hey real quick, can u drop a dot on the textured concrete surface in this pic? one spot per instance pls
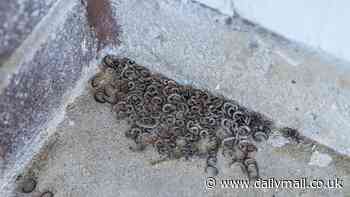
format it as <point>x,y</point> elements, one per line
<point>89,156</point>
<point>39,85</point>
<point>17,20</point>
<point>316,23</point>
<point>42,71</point>
<point>293,86</point>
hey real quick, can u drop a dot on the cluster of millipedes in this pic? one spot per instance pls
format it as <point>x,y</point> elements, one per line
<point>179,120</point>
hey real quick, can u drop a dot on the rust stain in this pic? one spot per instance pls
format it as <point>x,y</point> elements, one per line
<point>2,159</point>
<point>2,151</point>
<point>101,21</point>
<point>343,82</point>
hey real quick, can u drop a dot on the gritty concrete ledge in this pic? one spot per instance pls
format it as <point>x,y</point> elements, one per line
<point>315,23</point>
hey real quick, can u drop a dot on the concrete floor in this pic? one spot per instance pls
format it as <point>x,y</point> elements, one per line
<point>89,156</point>
<point>79,147</point>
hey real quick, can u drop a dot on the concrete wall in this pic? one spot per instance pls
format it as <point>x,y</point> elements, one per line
<point>321,24</point>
